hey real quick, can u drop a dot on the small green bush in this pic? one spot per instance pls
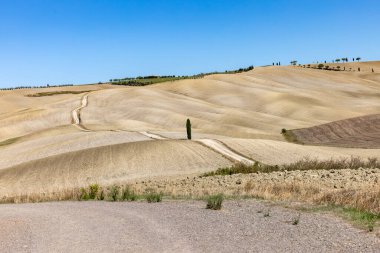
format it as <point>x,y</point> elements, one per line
<point>151,196</point>
<point>83,194</point>
<point>101,195</point>
<point>128,194</point>
<point>114,193</point>
<point>93,191</point>
<point>214,202</point>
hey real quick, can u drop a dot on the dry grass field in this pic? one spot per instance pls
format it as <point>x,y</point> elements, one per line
<point>43,149</point>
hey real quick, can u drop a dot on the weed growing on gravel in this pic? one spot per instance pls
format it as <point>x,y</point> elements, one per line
<point>214,202</point>
<point>296,220</point>
<point>128,194</point>
<point>114,193</point>
<point>267,213</point>
<point>93,191</point>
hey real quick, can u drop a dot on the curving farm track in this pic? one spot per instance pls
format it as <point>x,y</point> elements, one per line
<point>75,114</point>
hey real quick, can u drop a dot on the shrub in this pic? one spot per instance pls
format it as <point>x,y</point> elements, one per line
<point>101,195</point>
<point>93,191</point>
<point>152,196</point>
<point>83,194</point>
<point>114,193</point>
<point>214,202</point>
<point>320,66</point>
<point>283,131</point>
<point>128,194</point>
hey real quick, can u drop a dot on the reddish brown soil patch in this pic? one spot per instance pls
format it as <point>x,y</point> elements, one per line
<point>359,132</point>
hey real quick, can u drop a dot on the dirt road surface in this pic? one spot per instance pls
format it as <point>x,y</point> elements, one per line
<point>75,114</point>
<point>174,226</point>
<point>220,148</point>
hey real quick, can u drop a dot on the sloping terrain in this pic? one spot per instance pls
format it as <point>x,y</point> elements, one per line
<point>106,164</point>
<point>41,149</point>
<point>254,104</point>
<point>359,132</point>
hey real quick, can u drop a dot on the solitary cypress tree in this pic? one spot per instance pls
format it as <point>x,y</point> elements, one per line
<point>188,129</point>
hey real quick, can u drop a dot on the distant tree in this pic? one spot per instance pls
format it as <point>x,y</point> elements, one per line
<point>353,59</point>
<point>327,67</point>
<point>325,62</point>
<point>320,66</point>
<point>293,63</point>
<point>188,129</point>
<point>279,63</point>
<point>358,59</point>
<point>337,60</point>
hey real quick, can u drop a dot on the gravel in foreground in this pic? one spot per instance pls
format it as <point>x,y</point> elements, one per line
<point>174,226</point>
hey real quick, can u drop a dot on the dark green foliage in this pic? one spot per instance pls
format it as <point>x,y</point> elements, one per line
<point>147,80</point>
<point>320,66</point>
<point>283,130</point>
<point>188,129</point>
<point>214,202</point>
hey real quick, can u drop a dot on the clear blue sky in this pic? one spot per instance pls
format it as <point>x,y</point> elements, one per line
<point>83,41</point>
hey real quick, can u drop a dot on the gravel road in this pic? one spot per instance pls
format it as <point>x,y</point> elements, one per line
<point>174,226</point>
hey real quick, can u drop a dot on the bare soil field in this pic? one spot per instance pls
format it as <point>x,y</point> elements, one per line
<point>359,132</point>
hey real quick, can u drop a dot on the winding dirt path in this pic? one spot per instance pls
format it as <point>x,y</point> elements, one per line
<point>75,114</point>
<point>211,144</point>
